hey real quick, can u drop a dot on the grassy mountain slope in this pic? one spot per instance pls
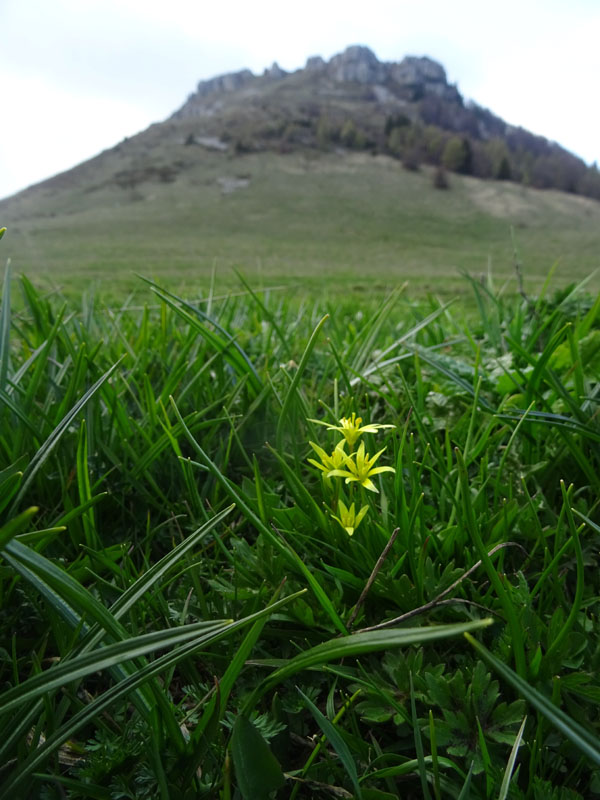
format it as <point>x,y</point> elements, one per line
<point>304,217</point>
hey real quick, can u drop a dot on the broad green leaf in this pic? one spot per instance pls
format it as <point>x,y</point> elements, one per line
<point>257,771</point>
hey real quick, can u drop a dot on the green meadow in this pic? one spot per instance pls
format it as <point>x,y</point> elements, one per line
<point>318,543</point>
<point>335,223</point>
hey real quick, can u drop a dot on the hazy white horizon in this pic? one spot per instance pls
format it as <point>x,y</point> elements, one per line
<point>76,78</point>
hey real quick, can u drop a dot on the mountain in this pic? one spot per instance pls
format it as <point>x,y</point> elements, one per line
<point>329,170</point>
<point>406,109</point>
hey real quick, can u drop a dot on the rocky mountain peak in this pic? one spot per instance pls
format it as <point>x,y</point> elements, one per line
<point>415,70</point>
<point>392,85</point>
<point>275,71</point>
<point>314,64</point>
<point>357,64</point>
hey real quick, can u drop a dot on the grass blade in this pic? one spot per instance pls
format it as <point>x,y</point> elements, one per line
<point>44,451</point>
<point>103,658</point>
<point>336,741</point>
<point>358,644</point>
<point>291,392</point>
<point>511,762</point>
<point>122,689</point>
<point>5,328</point>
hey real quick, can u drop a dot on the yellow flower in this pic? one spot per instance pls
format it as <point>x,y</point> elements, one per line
<point>348,519</point>
<point>351,427</point>
<point>336,460</point>
<point>359,467</point>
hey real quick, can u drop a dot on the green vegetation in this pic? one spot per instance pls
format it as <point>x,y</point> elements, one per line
<point>194,605</point>
<point>457,155</point>
<point>319,222</point>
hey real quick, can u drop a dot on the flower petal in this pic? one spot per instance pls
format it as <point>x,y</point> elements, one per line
<point>317,465</point>
<point>341,473</point>
<point>375,457</point>
<point>319,451</point>
<point>360,457</point>
<point>360,516</point>
<point>379,425</point>
<point>368,484</point>
<point>320,422</point>
<point>377,470</point>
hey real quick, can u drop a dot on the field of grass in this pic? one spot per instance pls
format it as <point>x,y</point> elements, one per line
<point>325,222</point>
<point>209,589</point>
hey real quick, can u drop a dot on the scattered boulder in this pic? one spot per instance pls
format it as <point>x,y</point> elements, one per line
<point>212,143</point>
<point>230,184</point>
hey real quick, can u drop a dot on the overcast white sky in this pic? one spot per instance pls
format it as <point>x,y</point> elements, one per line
<point>76,76</point>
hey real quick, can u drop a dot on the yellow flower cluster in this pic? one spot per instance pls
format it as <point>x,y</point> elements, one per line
<point>351,427</point>
<point>355,466</point>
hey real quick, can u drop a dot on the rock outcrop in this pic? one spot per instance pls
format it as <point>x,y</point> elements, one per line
<point>225,83</point>
<point>314,64</point>
<point>408,80</point>
<point>356,64</point>
<point>275,72</point>
<point>413,70</point>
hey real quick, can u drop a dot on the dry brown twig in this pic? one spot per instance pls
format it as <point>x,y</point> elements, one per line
<point>437,600</point>
<point>372,577</point>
